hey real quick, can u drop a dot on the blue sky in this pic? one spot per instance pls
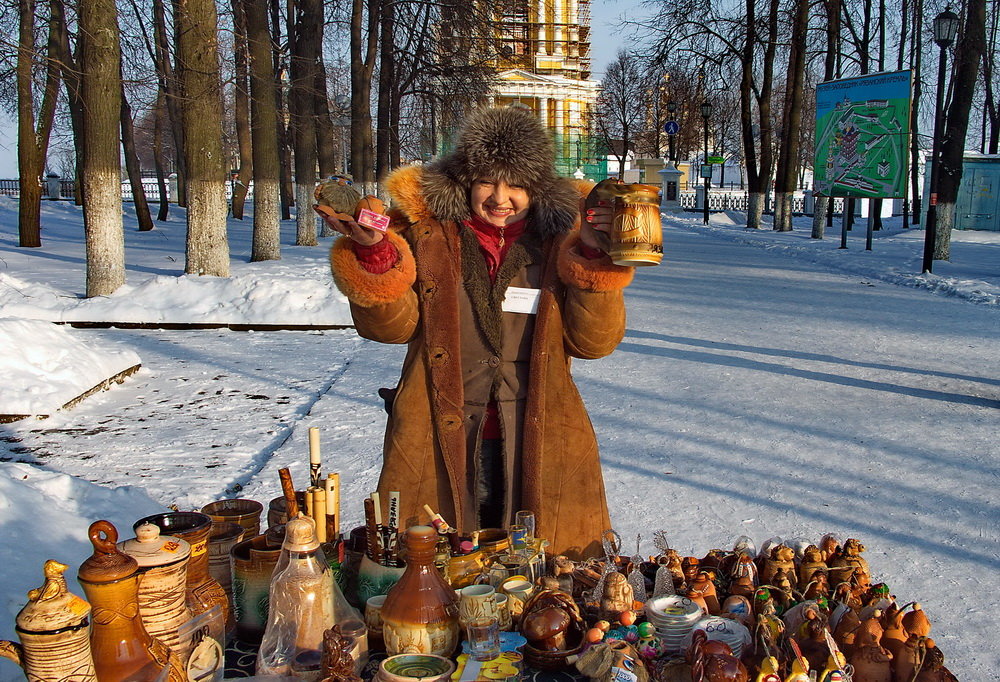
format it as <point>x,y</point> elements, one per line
<point>606,38</point>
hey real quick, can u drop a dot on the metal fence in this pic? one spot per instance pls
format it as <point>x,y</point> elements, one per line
<point>67,189</point>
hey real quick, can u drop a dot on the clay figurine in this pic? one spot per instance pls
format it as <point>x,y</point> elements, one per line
<point>871,662</point>
<point>702,592</point>
<point>616,598</point>
<point>915,622</point>
<point>781,557</point>
<point>848,564</point>
<point>812,561</point>
<point>337,663</point>
<point>713,661</point>
<point>934,669</point>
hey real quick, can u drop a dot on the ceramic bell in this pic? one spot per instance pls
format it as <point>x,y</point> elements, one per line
<point>54,633</point>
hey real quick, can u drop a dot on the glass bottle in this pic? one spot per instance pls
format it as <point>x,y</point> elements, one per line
<point>300,606</point>
<point>420,614</point>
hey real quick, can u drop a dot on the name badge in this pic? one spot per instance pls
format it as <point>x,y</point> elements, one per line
<point>521,300</point>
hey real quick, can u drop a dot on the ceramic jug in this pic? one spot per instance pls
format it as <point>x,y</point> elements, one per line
<point>122,649</point>
<point>420,614</point>
<point>54,633</point>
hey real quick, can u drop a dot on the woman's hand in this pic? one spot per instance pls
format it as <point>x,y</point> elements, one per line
<point>358,233</point>
<point>596,225</point>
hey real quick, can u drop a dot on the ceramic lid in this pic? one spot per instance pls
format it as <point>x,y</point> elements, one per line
<point>300,535</point>
<point>106,564</point>
<point>149,548</point>
<point>52,606</point>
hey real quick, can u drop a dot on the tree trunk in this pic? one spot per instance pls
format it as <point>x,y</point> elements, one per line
<point>917,49</point>
<point>284,146</point>
<point>326,133</point>
<point>824,205</point>
<point>263,120</point>
<point>71,75</point>
<point>29,161</point>
<point>161,176</point>
<point>165,72</point>
<point>201,87</point>
<point>101,173</point>
<point>241,106</point>
<point>791,120</point>
<point>968,54</point>
<point>362,65</point>
<point>132,167</point>
<point>306,54</point>
<point>386,77</point>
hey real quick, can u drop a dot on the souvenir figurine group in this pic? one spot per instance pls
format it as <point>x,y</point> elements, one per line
<point>314,608</point>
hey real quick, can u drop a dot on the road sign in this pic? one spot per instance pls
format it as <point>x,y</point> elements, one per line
<point>716,159</point>
<point>706,171</point>
<point>672,127</point>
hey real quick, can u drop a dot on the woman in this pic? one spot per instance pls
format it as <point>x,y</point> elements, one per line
<point>491,279</point>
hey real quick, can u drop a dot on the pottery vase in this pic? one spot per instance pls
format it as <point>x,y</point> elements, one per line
<point>203,591</point>
<point>223,538</point>
<point>420,614</point>
<point>163,564</point>
<point>121,647</point>
<point>375,579</point>
<point>253,562</point>
<point>54,633</point>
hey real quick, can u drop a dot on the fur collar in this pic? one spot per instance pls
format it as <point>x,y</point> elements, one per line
<point>431,191</point>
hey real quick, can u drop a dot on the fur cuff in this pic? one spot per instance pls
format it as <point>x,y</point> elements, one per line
<point>367,289</point>
<point>599,274</point>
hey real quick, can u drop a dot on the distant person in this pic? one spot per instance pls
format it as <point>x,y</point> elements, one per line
<point>486,277</point>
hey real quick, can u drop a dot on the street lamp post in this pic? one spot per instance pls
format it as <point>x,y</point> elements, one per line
<point>671,108</point>
<point>706,113</point>
<point>945,30</point>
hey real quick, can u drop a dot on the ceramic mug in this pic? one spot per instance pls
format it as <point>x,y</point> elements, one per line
<point>503,611</point>
<point>373,620</point>
<point>519,591</point>
<point>476,602</point>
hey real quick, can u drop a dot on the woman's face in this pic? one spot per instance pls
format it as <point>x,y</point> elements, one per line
<point>498,203</point>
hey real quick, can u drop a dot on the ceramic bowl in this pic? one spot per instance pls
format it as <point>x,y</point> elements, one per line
<point>551,661</point>
<point>415,668</point>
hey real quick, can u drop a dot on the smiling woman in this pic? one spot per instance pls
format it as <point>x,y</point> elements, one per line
<point>490,278</point>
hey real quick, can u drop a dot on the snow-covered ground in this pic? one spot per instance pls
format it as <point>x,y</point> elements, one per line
<point>769,385</point>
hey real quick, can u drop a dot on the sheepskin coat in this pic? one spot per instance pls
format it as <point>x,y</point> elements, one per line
<point>439,302</point>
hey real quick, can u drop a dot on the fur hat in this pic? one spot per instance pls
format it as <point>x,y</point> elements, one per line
<point>509,144</point>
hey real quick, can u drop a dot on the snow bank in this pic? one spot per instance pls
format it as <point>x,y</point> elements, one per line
<point>45,515</point>
<point>46,366</point>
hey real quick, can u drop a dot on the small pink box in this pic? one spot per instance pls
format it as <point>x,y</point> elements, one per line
<point>375,221</point>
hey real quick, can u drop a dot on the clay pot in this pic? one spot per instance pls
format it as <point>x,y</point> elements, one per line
<point>253,562</point>
<point>203,591</point>
<point>244,512</point>
<point>121,647</point>
<point>163,564</point>
<point>54,633</point>
<point>277,509</point>
<point>375,579</point>
<point>223,538</point>
<point>420,614</point>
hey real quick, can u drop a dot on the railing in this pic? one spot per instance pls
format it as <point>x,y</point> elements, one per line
<point>732,201</point>
<point>67,189</point>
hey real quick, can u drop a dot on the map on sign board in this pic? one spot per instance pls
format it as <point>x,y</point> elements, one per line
<point>862,135</point>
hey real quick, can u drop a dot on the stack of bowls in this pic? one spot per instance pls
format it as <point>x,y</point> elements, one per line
<point>674,617</point>
<point>732,632</point>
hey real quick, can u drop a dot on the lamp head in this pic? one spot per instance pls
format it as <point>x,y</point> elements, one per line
<point>946,27</point>
<point>706,109</point>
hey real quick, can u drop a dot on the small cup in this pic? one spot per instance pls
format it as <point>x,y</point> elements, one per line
<point>483,636</point>
<point>476,602</point>
<point>519,590</point>
<point>518,538</point>
<point>503,611</point>
<point>242,511</point>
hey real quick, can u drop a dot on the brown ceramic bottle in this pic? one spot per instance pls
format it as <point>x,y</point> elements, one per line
<point>420,614</point>
<point>122,649</point>
<point>203,590</point>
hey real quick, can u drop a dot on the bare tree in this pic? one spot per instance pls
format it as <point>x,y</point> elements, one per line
<point>196,24</point>
<point>968,54</point>
<point>618,114</point>
<point>364,46</point>
<point>101,176</point>
<point>791,120</point>
<point>263,121</point>
<point>241,109</point>
<point>306,52</point>
<point>32,133</point>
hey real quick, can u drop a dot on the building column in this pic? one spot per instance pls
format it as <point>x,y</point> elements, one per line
<point>543,110</point>
<point>541,28</point>
<point>558,34</point>
<point>573,14</point>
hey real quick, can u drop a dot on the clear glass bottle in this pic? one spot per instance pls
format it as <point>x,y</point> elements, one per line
<point>300,606</point>
<point>420,614</point>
